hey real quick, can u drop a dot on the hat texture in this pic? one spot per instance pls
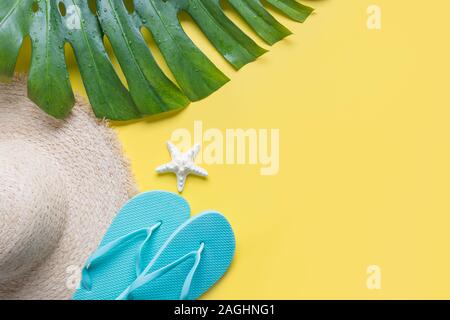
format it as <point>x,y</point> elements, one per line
<point>61,184</point>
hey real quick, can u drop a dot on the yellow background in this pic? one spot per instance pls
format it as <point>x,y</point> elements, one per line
<point>364,119</point>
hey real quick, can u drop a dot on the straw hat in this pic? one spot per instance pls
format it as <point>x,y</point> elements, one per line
<point>61,184</point>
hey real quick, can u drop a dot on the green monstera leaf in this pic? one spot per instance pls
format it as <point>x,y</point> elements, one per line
<point>83,24</point>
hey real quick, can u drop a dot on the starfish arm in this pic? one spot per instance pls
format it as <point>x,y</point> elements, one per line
<point>181,180</point>
<point>193,152</point>
<point>173,150</point>
<point>168,167</point>
<point>199,171</point>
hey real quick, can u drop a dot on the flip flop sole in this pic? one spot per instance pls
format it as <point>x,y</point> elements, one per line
<point>210,228</point>
<point>116,270</point>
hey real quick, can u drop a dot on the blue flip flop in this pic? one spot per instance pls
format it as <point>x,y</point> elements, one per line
<point>137,233</point>
<point>192,260</point>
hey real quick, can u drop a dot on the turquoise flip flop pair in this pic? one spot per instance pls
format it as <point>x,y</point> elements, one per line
<point>153,250</point>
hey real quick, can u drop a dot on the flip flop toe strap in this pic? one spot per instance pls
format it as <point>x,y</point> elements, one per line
<point>145,278</point>
<point>86,281</point>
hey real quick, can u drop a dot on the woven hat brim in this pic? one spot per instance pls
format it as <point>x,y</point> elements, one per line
<point>98,179</point>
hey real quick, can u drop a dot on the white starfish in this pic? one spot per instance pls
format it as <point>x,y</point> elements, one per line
<point>182,164</point>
